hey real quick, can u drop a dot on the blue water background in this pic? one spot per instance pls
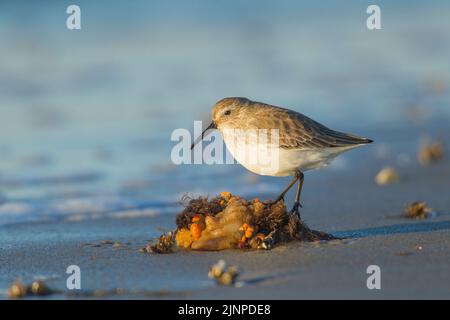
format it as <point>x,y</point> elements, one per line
<point>86,116</point>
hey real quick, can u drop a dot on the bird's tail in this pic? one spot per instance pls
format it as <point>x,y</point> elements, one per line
<point>346,139</point>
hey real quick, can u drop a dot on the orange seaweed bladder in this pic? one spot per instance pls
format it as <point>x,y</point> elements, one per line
<point>223,231</point>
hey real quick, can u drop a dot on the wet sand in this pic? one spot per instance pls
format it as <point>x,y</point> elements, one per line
<point>347,205</point>
<point>87,135</point>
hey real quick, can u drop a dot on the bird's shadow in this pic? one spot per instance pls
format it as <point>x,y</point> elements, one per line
<point>394,229</point>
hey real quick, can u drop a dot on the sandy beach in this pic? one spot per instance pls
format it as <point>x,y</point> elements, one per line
<point>369,222</point>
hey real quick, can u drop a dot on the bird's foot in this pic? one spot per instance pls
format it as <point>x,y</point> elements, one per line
<point>296,209</point>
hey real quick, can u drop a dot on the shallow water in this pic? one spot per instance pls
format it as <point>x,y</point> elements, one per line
<point>86,116</point>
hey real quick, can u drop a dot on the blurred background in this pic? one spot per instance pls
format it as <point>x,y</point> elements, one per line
<point>86,115</point>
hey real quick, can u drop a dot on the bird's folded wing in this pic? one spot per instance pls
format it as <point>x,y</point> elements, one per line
<point>296,131</point>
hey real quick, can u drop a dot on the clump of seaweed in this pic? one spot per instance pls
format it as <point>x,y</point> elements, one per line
<point>228,221</point>
<point>201,206</point>
<point>18,290</point>
<point>231,222</point>
<point>417,210</point>
<point>222,275</point>
<point>164,244</point>
<point>284,227</point>
<point>431,152</point>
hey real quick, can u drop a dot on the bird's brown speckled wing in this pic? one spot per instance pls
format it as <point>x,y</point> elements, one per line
<point>296,131</point>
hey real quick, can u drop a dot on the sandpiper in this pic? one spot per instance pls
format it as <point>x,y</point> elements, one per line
<point>303,144</point>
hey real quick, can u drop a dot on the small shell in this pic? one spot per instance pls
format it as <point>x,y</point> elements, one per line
<point>222,275</point>
<point>17,290</point>
<point>386,176</point>
<point>39,288</point>
<point>217,269</point>
<point>260,236</point>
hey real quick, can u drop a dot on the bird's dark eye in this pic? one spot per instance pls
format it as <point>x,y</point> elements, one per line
<point>227,113</point>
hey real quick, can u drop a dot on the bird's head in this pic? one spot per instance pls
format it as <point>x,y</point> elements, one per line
<point>225,110</point>
<point>223,113</point>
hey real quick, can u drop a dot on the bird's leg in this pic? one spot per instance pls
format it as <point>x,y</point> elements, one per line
<point>288,187</point>
<point>297,205</point>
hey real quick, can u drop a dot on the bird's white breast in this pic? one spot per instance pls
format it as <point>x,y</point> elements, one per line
<point>268,158</point>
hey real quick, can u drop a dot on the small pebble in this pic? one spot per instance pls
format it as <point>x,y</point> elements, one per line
<point>386,176</point>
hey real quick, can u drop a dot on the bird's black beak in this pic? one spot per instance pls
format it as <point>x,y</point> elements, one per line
<point>200,138</point>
